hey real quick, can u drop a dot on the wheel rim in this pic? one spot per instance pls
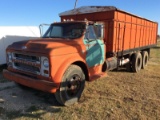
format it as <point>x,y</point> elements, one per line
<point>73,85</point>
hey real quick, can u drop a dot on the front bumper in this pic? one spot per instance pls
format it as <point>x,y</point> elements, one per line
<point>31,82</point>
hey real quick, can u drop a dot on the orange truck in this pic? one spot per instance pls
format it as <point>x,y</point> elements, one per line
<point>82,47</point>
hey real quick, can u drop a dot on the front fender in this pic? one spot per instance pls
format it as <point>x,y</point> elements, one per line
<point>63,67</point>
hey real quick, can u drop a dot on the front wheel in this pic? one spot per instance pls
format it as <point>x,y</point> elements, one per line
<point>72,86</point>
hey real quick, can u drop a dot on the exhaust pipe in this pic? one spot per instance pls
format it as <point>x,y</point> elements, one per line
<point>113,63</point>
<point>123,62</point>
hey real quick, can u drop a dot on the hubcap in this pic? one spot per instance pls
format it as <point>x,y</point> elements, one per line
<point>73,85</point>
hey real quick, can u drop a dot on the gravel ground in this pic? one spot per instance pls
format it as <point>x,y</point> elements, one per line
<point>14,98</point>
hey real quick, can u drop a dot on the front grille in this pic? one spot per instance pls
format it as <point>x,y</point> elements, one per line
<point>27,57</point>
<point>26,63</point>
<point>28,68</point>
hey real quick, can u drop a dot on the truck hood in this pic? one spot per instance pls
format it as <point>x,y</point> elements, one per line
<point>45,46</point>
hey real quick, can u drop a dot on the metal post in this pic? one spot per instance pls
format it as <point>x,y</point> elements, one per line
<point>75,4</point>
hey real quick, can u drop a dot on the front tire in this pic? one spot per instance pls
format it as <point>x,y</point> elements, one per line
<point>72,86</point>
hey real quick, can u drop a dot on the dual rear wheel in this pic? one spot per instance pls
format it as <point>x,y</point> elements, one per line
<point>145,59</point>
<point>139,61</point>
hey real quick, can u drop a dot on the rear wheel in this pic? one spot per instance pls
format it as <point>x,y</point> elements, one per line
<point>72,86</point>
<point>128,67</point>
<point>145,59</point>
<point>137,62</point>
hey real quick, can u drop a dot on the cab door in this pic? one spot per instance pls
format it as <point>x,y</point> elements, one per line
<point>95,48</point>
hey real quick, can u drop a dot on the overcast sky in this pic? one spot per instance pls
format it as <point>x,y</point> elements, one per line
<point>35,12</point>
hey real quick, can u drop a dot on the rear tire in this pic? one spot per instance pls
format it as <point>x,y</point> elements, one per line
<point>145,59</point>
<point>137,62</point>
<point>72,86</point>
<point>128,67</point>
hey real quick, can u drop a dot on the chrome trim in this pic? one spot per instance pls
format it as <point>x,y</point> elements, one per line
<point>27,63</point>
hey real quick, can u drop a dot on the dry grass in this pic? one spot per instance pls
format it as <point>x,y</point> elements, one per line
<point>121,95</point>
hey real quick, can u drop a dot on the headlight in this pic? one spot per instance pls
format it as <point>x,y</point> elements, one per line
<point>45,66</point>
<point>45,63</point>
<point>9,59</point>
<point>9,56</point>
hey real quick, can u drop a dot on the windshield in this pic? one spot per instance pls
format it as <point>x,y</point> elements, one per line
<point>65,30</point>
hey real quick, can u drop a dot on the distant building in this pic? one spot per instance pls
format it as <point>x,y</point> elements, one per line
<point>8,35</point>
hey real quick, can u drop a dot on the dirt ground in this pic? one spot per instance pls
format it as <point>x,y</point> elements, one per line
<point>120,95</point>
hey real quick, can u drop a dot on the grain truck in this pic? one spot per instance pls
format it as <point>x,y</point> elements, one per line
<point>86,43</point>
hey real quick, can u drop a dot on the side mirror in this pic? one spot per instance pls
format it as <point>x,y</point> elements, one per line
<point>43,28</point>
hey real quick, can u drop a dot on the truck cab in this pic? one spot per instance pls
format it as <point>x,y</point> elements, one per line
<point>60,62</point>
